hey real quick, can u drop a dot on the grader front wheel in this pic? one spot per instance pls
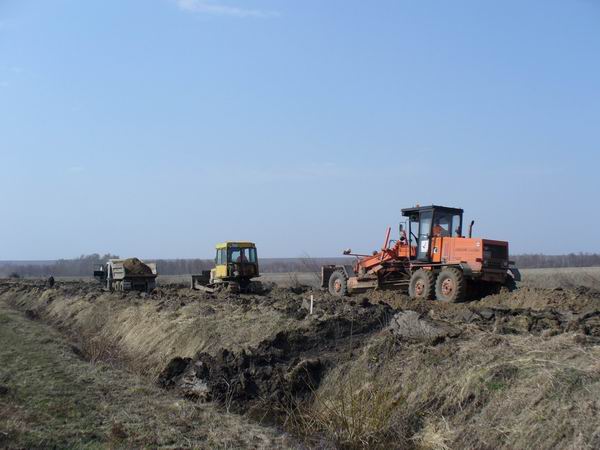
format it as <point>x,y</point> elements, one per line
<point>422,285</point>
<point>338,284</point>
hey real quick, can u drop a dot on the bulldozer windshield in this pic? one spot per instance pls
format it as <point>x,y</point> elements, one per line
<point>240,255</point>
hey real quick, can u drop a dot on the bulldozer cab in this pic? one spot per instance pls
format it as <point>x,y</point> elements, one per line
<point>236,260</point>
<point>425,222</point>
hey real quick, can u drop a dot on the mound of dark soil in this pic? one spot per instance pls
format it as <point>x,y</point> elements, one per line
<point>134,266</point>
<point>280,370</point>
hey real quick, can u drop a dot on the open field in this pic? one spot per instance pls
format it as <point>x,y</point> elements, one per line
<point>542,278</point>
<point>569,277</point>
<point>550,278</point>
<point>514,370</point>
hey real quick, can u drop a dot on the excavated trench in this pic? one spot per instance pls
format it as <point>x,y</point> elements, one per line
<point>281,369</point>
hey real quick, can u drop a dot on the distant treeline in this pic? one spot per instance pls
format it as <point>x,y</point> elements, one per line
<point>84,265</point>
<point>570,260</point>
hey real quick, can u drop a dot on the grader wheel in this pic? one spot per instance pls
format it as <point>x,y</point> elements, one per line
<point>451,285</point>
<point>338,284</point>
<point>422,285</point>
<point>510,284</point>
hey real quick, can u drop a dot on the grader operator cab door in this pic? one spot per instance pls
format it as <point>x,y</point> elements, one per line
<point>424,241</point>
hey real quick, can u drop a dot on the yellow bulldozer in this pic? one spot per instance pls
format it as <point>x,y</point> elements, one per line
<point>236,264</point>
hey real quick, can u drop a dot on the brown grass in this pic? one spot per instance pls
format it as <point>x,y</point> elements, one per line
<point>357,416</point>
<point>145,334</point>
<point>488,391</point>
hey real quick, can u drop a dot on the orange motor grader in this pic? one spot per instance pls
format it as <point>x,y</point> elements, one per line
<point>431,259</point>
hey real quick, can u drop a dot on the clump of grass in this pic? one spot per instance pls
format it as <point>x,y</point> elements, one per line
<point>101,348</point>
<point>435,435</point>
<point>351,414</point>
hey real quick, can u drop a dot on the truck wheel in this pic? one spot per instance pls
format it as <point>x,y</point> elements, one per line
<point>422,285</point>
<point>338,284</point>
<point>451,285</point>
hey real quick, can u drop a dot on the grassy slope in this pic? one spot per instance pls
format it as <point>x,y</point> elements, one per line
<point>54,399</point>
<point>480,391</point>
<point>147,334</point>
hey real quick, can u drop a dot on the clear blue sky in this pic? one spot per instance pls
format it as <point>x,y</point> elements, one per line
<point>156,128</point>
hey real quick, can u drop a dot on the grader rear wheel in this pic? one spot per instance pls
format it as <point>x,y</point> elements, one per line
<point>451,285</point>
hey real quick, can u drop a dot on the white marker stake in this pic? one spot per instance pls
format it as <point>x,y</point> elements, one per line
<point>311,303</point>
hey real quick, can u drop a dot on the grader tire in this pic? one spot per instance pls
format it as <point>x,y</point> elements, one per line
<point>338,284</point>
<point>509,284</point>
<point>451,286</point>
<point>422,285</point>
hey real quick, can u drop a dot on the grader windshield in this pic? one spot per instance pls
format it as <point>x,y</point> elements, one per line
<point>446,224</point>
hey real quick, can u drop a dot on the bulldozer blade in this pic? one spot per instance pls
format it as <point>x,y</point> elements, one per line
<point>200,287</point>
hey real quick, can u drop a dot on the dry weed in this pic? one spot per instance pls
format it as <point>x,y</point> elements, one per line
<point>359,414</point>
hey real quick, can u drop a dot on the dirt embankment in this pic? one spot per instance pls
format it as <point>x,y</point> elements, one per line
<point>514,370</point>
<point>251,352</point>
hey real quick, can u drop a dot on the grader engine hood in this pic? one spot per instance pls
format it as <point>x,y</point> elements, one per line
<point>477,253</point>
<point>494,254</point>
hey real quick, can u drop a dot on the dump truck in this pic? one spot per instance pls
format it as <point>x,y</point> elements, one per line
<point>431,259</point>
<point>129,274</point>
<point>236,264</point>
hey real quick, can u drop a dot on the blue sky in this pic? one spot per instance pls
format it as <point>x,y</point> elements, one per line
<point>156,128</point>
